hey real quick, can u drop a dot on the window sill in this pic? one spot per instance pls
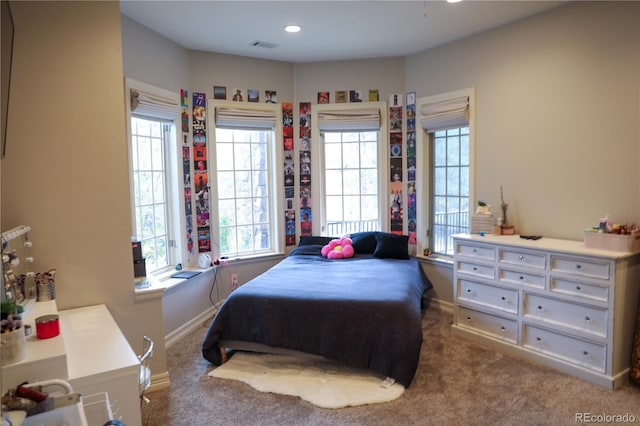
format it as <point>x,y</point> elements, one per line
<point>160,283</point>
<point>163,282</point>
<point>252,259</point>
<point>437,259</point>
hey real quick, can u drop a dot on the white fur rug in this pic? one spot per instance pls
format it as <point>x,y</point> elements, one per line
<point>317,380</point>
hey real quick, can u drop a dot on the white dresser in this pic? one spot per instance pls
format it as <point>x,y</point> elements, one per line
<point>551,301</point>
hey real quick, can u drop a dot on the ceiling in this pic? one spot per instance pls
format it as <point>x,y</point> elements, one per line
<point>331,30</point>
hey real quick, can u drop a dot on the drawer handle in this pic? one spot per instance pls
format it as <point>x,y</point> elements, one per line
<point>503,298</point>
<point>522,259</point>
<point>475,251</point>
<point>585,353</point>
<point>503,329</point>
<point>539,339</point>
<point>587,319</point>
<point>475,268</point>
<point>469,319</point>
<point>578,266</point>
<point>521,277</point>
<point>468,290</point>
<point>578,288</point>
<point>540,307</point>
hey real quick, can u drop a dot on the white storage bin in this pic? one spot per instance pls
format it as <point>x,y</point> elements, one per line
<point>613,242</point>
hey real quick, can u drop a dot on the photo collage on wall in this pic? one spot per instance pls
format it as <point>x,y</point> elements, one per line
<point>396,197</point>
<point>306,221</point>
<point>289,174</point>
<point>238,95</point>
<point>200,175</point>
<point>186,170</point>
<point>411,172</point>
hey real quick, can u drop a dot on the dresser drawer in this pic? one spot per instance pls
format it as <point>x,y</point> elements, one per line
<point>579,289</point>
<point>523,258</point>
<point>482,271</point>
<point>581,267</point>
<point>476,251</point>
<point>581,318</point>
<point>522,278</point>
<point>575,351</point>
<point>491,296</point>
<point>501,328</point>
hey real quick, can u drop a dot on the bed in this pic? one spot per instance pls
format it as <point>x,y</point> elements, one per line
<point>365,311</point>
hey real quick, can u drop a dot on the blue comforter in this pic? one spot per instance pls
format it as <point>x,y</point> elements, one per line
<point>364,312</point>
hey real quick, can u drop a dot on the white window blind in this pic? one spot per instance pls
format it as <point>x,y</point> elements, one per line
<point>445,114</point>
<point>233,118</point>
<point>362,119</point>
<point>153,105</point>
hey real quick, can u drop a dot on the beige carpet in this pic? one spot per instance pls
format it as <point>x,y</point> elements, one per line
<point>317,380</point>
<point>458,383</point>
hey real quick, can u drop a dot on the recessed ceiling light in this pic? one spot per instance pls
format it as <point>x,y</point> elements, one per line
<point>292,28</point>
<point>453,1</point>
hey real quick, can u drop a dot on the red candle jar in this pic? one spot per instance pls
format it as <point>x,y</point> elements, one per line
<point>47,326</point>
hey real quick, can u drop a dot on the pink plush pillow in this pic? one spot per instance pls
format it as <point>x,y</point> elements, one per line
<point>339,248</point>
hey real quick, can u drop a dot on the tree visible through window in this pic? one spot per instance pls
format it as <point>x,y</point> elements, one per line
<point>351,196</point>
<point>244,190</point>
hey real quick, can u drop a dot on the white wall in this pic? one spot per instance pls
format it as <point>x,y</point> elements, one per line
<point>66,170</point>
<point>153,59</point>
<point>549,90</point>
<point>556,114</point>
<point>385,74</point>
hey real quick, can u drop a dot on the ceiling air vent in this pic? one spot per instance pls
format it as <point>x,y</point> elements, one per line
<point>265,44</point>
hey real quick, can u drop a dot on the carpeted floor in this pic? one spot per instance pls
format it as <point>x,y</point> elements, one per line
<point>457,383</point>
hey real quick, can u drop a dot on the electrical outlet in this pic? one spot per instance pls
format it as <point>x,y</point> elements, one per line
<point>234,281</point>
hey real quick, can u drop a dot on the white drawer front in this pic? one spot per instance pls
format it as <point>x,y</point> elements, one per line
<point>578,317</point>
<point>576,351</point>
<point>522,278</point>
<point>579,289</point>
<point>488,295</point>
<point>482,271</point>
<point>523,258</point>
<point>581,267</point>
<point>479,252</point>
<point>494,325</point>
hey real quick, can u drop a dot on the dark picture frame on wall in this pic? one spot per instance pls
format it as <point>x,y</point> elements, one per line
<point>6,52</point>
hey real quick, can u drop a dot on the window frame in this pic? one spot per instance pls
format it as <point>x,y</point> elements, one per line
<point>424,170</point>
<point>318,161</point>
<point>176,221</point>
<point>276,163</point>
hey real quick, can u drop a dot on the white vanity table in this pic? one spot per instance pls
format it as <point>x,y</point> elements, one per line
<point>91,353</point>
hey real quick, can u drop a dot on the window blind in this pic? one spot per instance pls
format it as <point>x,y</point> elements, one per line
<point>344,120</point>
<point>153,105</point>
<point>234,118</point>
<point>449,113</point>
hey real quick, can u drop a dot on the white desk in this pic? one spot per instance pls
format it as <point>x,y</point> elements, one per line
<point>91,353</point>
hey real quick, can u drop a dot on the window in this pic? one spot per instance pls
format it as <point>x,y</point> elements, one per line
<point>153,144</point>
<point>149,140</point>
<point>351,175</point>
<point>246,192</point>
<point>351,193</point>
<point>449,187</point>
<point>444,146</point>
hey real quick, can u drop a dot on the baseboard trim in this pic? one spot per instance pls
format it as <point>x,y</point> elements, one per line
<point>443,305</point>
<point>159,381</point>
<point>181,332</point>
